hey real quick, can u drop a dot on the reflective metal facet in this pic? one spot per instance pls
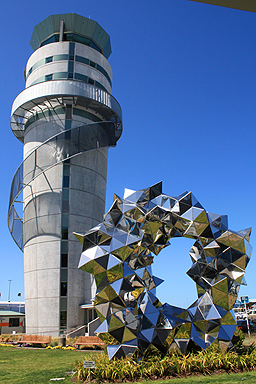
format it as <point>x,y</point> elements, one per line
<point>119,253</point>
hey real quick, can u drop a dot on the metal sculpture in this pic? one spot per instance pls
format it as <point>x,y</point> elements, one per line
<point>119,253</point>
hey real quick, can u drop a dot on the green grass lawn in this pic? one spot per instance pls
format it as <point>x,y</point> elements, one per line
<point>28,366</point>
<point>224,378</point>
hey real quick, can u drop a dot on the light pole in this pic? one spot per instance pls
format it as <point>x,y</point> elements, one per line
<point>19,294</point>
<point>9,294</point>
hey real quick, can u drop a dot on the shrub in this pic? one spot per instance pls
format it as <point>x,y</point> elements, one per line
<point>9,338</point>
<point>54,342</point>
<point>71,340</point>
<point>155,367</point>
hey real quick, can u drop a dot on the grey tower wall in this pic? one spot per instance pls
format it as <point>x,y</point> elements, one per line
<point>69,196</point>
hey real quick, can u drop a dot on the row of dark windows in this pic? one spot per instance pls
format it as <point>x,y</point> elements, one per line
<point>79,59</point>
<point>83,60</point>
<point>74,37</point>
<point>69,75</point>
<point>58,111</point>
<point>65,223</point>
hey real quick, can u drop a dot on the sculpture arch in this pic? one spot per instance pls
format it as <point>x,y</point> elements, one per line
<point>119,253</point>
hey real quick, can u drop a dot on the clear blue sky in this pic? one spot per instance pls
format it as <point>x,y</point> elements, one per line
<point>184,74</point>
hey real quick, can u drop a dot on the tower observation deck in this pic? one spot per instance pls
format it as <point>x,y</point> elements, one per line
<point>67,119</point>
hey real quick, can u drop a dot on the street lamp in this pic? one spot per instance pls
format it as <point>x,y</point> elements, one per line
<point>9,294</point>
<point>19,295</point>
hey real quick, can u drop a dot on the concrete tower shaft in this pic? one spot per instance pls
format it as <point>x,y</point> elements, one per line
<point>67,120</point>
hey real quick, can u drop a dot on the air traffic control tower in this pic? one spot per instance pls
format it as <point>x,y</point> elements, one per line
<point>67,119</point>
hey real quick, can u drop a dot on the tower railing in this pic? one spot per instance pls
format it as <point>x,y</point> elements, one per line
<point>66,145</point>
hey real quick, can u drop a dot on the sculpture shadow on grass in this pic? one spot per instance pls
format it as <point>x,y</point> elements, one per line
<point>119,253</point>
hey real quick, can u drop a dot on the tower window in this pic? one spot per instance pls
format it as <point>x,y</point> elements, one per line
<point>65,194</point>
<point>64,233</point>
<point>64,260</point>
<point>70,66</point>
<point>66,181</point>
<point>48,59</point>
<point>63,289</point>
<point>65,206</point>
<point>48,77</point>
<point>63,318</point>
